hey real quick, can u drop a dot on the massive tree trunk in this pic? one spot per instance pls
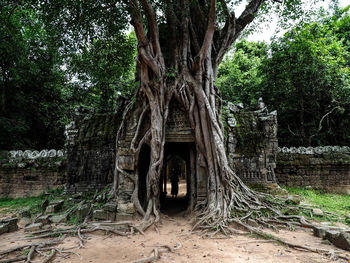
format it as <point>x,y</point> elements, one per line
<point>182,62</point>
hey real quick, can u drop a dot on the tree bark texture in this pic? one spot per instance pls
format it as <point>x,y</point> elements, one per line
<point>179,59</point>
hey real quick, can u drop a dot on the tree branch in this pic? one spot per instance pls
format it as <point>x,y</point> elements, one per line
<point>136,21</point>
<point>234,27</point>
<point>248,15</point>
<point>153,26</point>
<point>321,121</point>
<point>208,38</point>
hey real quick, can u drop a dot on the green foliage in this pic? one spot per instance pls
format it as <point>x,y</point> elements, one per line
<point>104,70</point>
<point>32,103</point>
<point>306,80</point>
<point>54,56</point>
<point>13,205</point>
<point>239,76</point>
<point>304,75</point>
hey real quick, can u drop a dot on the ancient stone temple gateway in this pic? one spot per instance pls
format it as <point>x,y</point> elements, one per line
<point>251,145</point>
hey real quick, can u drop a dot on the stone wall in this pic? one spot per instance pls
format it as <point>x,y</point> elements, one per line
<point>30,173</point>
<point>251,143</point>
<point>324,168</point>
<point>90,145</point>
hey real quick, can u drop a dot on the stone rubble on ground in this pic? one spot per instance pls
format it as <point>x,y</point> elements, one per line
<point>8,225</point>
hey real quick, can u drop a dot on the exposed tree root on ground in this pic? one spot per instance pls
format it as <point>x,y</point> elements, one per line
<point>34,248</point>
<point>46,251</point>
<point>333,254</point>
<point>157,253</point>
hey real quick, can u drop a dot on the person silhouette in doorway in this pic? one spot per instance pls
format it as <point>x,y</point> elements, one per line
<point>174,179</point>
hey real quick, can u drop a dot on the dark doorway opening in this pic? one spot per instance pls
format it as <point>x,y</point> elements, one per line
<point>175,183</point>
<point>143,165</point>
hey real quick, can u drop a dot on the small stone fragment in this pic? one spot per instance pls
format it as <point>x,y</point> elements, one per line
<point>293,200</point>
<point>317,212</point>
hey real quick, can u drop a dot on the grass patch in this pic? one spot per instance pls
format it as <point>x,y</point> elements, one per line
<point>18,203</point>
<point>335,203</point>
<point>33,203</point>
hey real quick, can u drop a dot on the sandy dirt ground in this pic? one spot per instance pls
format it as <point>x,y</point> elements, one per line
<point>176,229</point>
<point>173,231</point>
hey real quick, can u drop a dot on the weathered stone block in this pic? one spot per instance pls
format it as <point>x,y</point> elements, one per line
<point>126,162</point>
<point>9,224</point>
<point>124,217</point>
<point>82,211</point>
<point>24,221</point>
<point>33,227</point>
<point>110,207</point>
<point>25,213</point>
<point>44,219</point>
<point>126,208</point>
<point>339,239</point>
<point>55,206</point>
<point>4,228</point>
<point>103,215</point>
<point>59,218</point>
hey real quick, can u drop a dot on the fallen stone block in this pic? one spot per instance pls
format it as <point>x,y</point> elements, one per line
<point>317,212</point>
<point>126,208</point>
<point>33,227</point>
<point>24,221</point>
<point>82,211</point>
<point>110,207</point>
<point>339,239</point>
<point>320,231</point>
<point>55,206</point>
<point>124,217</point>
<point>4,228</point>
<point>25,213</point>
<point>44,219</point>
<point>59,218</point>
<point>8,225</point>
<point>103,215</point>
<point>278,191</point>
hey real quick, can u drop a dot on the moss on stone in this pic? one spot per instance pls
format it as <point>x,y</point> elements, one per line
<point>248,133</point>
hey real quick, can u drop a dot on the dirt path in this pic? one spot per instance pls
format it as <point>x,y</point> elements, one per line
<point>110,248</point>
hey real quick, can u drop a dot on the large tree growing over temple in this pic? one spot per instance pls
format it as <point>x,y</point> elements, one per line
<point>180,46</point>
